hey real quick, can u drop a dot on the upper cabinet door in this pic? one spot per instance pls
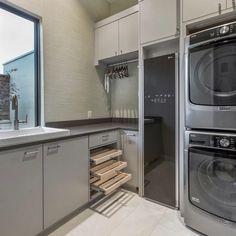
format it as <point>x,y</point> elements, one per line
<point>106,41</point>
<point>193,9</point>
<point>230,4</point>
<point>128,34</point>
<point>158,19</point>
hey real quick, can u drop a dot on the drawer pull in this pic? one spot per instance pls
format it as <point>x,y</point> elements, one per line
<point>106,136</point>
<point>54,147</point>
<point>220,8</point>
<point>30,155</point>
<point>131,135</point>
<point>105,139</point>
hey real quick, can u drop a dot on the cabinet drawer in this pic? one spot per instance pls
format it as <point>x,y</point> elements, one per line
<point>105,154</point>
<point>103,139</point>
<point>112,184</point>
<point>108,169</point>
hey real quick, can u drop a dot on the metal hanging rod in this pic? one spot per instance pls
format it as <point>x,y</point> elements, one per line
<point>123,62</point>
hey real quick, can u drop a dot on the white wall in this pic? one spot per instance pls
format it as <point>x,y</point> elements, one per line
<point>124,94</point>
<point>72,84</point>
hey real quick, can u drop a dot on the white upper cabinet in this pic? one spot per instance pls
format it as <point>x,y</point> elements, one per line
<point>106,41</point>
<point>117,35</point>
<point>158,19</point>
<point>193,9</point>
<point>230,3</point>
<point>128,34</point>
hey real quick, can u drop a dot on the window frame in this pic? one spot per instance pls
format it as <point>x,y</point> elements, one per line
<point>37,55</point>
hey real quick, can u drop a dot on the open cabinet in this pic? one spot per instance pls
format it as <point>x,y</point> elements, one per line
<point>106,168</point>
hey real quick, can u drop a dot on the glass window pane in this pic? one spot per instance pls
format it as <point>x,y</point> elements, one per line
<point>17,69</point>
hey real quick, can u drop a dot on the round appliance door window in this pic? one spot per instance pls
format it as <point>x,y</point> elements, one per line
<point>215,73</point>
<point>218,179</point>
<point>212,75</point>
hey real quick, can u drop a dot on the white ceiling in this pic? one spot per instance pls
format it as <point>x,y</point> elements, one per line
<point>100,9</point>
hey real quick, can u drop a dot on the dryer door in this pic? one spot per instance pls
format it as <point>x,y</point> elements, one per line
<point>212,69</point>
<point>212,181</point>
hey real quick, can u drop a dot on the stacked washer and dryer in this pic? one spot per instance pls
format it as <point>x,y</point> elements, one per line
<point>210,137</point>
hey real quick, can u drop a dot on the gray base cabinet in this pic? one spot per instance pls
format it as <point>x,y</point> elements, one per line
<point>66,178</point>
<point>21,192</point>
<point>129,143</point>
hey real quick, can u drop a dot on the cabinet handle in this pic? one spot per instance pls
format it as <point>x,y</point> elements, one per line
<point>30,155</point>
<point>131,135</point>
<point>121,51</point>
<point>177,31</point>
<point>234,4</point>
<point>220,8</point>
<point>54,147</point>
<point>106,136</point>
<point>105,139</point>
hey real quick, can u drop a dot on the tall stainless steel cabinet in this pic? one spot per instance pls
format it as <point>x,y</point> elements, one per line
<point>66,183</point>
<point>21,192</point>
<point>129,141</point>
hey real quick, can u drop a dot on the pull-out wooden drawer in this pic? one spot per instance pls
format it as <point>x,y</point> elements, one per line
<point>101,139</point>
<point>105,154</point>
<point>109,186</point>
<point>107,169</point>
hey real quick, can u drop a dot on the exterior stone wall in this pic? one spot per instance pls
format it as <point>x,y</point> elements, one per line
<point>4,97</point>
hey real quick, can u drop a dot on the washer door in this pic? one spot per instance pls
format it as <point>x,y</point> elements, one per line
<point>212,181</point>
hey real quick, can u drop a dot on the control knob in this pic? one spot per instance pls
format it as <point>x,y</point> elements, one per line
<point>224,29</point>
<point>224,142</point>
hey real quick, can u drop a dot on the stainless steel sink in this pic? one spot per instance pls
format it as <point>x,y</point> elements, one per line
<point>28,135</point>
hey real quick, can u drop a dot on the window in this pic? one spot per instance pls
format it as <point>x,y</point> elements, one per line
<point>19,67</point>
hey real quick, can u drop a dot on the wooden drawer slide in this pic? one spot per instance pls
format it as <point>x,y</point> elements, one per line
<point>107,169</point>
<point>103,155</point>
<point>112,184</point>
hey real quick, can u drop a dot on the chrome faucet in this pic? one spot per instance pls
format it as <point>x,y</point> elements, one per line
<point>15,108</point>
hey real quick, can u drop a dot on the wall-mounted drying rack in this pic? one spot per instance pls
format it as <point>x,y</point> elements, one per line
<point>116,71</point>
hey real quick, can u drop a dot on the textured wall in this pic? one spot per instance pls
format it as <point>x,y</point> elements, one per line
<point>124,94</point>
<point>72,85</point>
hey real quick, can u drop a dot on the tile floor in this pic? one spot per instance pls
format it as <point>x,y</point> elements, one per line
<point>125,214</point>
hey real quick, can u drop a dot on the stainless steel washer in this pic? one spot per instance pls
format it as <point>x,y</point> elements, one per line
<point>210,182</point>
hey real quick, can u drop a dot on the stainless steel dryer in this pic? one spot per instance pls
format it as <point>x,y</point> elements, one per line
<point>210,57</point>
<point>210,183</point>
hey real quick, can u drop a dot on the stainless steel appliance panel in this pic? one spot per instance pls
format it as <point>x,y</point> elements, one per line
<point>210,82</point>
<point>210,182</point>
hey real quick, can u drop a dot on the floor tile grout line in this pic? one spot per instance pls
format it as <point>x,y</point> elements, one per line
<point>122,220</point>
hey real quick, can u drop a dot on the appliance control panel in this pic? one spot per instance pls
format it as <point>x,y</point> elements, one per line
<point>217,32</point>
<point>218,141</point>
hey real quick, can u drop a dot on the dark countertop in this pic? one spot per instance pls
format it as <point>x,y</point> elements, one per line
<point>102,127</point>
<point>80,130</point>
